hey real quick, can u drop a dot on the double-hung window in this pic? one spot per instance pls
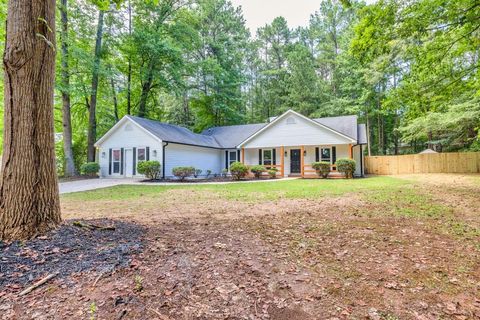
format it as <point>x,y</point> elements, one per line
<point>116,160</point>
<point>141,155</point>
<point>326,155</point>
<point>232,157</point>
<point>267,157</point>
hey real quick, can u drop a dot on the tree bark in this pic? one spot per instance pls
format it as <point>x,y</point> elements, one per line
<point>29,201</point>
<point>65,89</point>
<point>92,114</point>
<point>115,100</point>
<point>129,75</point>
<point>146,87</point>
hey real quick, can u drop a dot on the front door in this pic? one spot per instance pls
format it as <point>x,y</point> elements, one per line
<point>295,161</point>
<point>129,163</point>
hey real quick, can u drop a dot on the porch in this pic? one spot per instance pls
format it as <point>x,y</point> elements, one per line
<point>291,161</point>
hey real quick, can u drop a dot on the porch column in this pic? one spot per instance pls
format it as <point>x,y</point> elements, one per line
<point>282,170</point>
<point>350,148</point>
<point>243,155</point>
<point>302,161</point>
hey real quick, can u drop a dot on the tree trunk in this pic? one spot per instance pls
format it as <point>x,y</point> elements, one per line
<point>29,202</point>
<point>115,101</point>
<point>129,75</point>
<point>65,89</point>
<point>147,85</point>
<point>92,114</point>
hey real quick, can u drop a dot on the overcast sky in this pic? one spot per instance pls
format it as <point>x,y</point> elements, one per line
<point>260,12</point>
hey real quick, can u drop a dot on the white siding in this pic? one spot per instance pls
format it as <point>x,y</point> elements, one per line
<point>177,155</point>
<point>127,135</point>
<point>300,132</point>
<point>356,157</point>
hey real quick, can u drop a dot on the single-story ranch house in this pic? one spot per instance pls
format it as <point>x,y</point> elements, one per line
<point>289,143</point>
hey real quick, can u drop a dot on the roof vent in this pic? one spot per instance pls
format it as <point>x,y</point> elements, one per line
<point>128,127</point>
<point>291,120</point>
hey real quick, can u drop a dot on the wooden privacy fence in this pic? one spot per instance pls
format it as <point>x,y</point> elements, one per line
<point>458,162</point>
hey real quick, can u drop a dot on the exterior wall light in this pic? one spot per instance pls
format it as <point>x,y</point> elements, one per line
<point>154,153</point>
<point>103,155</point>
<point>286,154</point>
<point>304,153</point>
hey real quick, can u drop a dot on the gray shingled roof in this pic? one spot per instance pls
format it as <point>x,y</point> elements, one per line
<point>230,137</point>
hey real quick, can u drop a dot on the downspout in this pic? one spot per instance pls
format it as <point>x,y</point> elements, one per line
<point>163,160</point>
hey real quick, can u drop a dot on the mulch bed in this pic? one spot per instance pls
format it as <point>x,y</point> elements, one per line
<point>203,180</point>
<point>67,250</point>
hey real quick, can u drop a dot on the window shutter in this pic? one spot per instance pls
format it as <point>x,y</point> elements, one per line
<point>259,156</point>
<point>110,162</point>
<point>147,151</point>
<point>274,156</point>
<point>238,155</point>
<point>134,161</point>
<point>226,159</point>
<point>317,154</point>
<point>334,155</point>
<point>121,161</point>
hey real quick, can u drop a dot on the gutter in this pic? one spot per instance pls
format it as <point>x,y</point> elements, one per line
<point>163,160</point>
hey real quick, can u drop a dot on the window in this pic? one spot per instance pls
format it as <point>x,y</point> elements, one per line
<point>267,157</point>
<point>141,155</point>
<point>232,157</point>
<point>116,155</point>
<point>326,155</point>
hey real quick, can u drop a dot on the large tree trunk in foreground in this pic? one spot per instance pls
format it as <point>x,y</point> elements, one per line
<point>92,115</point>
<point>29,202</point>
<point>65,88</point>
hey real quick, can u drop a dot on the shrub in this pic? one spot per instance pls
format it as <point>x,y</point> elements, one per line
<point>183,172</point>
<point>197,173</point>
<point>90,169</point>
<point>224,173</point>
<point>322,168</point>
<point>346,166</point>
<point>208,173</point>
<point>238,170</point>
<point>151,169</point>
<point>272,173</point>
<point>257,170</point>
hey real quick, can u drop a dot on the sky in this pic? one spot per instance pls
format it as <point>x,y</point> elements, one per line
<point>257,13</point>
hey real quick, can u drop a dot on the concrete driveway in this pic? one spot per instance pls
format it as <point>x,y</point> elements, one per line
<point>92,184</point>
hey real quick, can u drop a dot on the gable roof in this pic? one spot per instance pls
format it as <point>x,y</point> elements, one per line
<point>230,137</point>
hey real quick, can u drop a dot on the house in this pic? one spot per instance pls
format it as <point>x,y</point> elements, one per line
<point>289,143</point>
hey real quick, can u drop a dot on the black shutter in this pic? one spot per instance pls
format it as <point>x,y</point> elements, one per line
<point>274,156</point>
<point>121,161</point>
<point>334,155</point>
<point>317,154</point>
<point>148,153</point>
<point>259,156</point>
<point>238,155</point>
<point>134,161</point>
<point>226,159</point>
<point>110,162</point>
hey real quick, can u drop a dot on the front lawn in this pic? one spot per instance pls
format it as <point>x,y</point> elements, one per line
<point>377,248</point>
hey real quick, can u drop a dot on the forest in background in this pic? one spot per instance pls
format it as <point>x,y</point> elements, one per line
<point>409,69</point>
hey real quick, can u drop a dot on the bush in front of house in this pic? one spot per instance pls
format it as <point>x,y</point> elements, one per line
<point>90,169</point>
<point>257,170</point>
<point>346,166</point>
<point>197,173</point>
<point>238,170</point>
<point>208,173</point>
<point>224,173</point>
<point>151,169</point>
<point>183,172</point>
<point>322,168</point>
<point>272,173</point>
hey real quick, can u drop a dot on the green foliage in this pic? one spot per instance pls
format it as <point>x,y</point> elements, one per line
<point>346,166</point>
<point>257,170</point>
<point>208,173</point>
<point>272,173</point>
<point>238,170</point>
<point>151,169</point>
<point>197,173</point>
<point>90,169</point>
<point>224,172</point>
<point>322,168</point>
<point>183,172</point>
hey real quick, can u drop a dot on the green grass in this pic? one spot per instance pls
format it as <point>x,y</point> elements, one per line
<point>251,192</point>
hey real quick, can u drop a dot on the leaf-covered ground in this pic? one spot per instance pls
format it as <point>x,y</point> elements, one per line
<point>376,248</point>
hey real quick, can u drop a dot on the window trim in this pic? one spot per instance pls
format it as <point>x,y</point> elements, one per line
<point>114,161</point>
<point>271,157</point>
<point>230,157</point>
<point>145,154</point>
<point>330,153</point>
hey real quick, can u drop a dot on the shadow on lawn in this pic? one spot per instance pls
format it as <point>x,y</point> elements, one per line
<point>69,249</point>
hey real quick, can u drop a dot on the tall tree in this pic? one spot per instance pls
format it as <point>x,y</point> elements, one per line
<point>29,201</point>
<point>65,90</point>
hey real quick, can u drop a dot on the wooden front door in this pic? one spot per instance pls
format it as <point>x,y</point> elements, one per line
<point>295,161</point>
